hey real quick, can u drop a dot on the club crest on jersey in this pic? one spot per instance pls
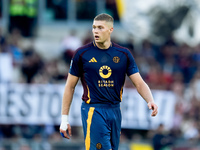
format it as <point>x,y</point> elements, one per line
<point>98,146</point>
<point>105,72</point>
<point>116,59</point>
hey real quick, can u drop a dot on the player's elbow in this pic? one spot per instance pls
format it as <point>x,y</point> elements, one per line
<point>69,88</point>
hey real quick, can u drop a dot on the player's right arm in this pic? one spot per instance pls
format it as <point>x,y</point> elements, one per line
<point>66,103</point>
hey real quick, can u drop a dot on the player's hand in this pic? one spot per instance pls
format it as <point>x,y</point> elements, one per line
<point>65,130</point>
<point>153,107</point>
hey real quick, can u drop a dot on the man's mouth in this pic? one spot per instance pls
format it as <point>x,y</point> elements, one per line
<point>96,37</point>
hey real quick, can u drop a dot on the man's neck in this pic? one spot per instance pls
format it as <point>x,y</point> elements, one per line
<point>104,45</point>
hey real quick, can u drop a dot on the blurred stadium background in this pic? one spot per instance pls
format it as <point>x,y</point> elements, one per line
<point>38,39</point>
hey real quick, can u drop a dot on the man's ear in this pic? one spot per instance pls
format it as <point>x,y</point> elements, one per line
<point>111,29</point>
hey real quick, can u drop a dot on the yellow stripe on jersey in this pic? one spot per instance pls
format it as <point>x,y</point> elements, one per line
<point>88,101</point>
<point>120,7</point>
<point>121,93</point>
<point>89,121</point>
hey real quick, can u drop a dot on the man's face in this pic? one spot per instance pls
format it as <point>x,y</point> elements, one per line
<point>101,31</point>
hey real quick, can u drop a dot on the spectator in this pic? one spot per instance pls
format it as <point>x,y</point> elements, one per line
<point>31,65</point>
<point>16,15</point>
<point>161,139</point>
<point>14,47</point>
<point>30,18</point>
<point>69,45</point>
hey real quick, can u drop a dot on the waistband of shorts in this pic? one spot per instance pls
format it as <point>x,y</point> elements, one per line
<point>101,105</point>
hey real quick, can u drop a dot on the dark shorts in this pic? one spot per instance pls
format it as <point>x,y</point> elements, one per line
<point>101,126</point>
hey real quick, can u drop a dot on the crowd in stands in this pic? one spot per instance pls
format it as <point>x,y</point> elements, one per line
<point>170,66</point>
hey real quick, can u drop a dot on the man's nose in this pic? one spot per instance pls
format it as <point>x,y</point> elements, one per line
<point>95,30</point>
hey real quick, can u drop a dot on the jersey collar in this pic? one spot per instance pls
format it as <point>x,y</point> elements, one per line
<point>99,48</point>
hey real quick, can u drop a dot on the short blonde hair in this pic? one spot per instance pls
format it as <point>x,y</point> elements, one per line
<point>104,17</point>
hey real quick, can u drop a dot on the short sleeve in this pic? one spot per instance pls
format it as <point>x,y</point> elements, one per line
<point>132,66</point>
<point>75,66</point>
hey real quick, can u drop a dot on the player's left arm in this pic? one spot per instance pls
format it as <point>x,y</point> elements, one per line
<point>144,90</point>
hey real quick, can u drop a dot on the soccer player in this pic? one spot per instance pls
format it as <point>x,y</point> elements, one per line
<point>102,67</point>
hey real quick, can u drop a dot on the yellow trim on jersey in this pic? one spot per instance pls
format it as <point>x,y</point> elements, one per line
<point>89,121</point>
<point>88,101</point>
<point>121,93</point>
<point>120,7</point>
